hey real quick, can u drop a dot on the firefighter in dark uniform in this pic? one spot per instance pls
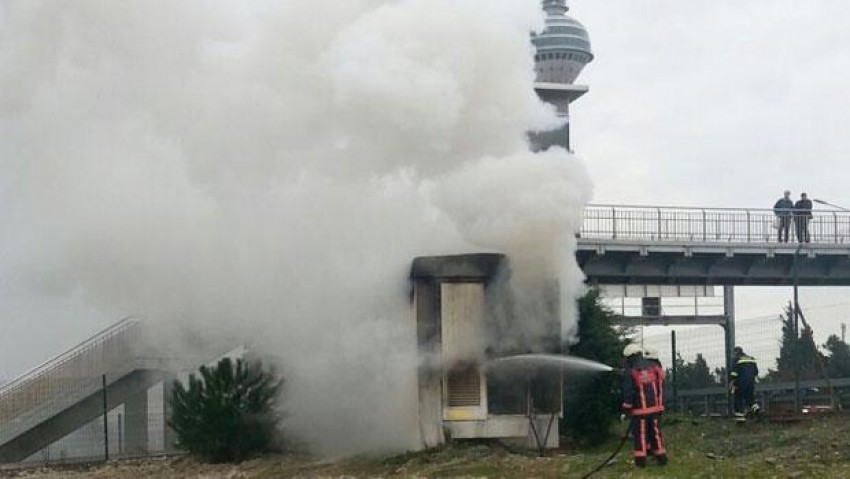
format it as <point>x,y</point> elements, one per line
<point>742,382</point>
<point>642,401</point>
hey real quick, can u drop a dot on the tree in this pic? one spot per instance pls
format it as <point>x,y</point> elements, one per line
<point>838,363</point>
<point>695,375</point>
<point>227,413</point>
<point>592,402</point>
<point>796,353</point>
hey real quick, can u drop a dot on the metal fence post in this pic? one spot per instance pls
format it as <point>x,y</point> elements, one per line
<point>675,369</point>
<point>120,436</point>
<point>105,422</point>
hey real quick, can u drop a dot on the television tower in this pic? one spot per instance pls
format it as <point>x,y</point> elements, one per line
<point>562,50</point>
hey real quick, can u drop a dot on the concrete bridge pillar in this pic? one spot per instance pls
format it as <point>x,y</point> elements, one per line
<point>136,424</point>
<point>169,436</point>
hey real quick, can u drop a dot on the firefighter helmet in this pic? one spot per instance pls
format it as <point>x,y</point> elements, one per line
<point>650,353</point>
<point>632,350</point>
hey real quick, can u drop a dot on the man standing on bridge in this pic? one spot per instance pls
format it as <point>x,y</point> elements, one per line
<point>802,216</point>
<point>783,209</point>
<point>742,382</point>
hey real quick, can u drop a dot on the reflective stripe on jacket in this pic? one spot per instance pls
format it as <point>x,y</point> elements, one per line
<point>661,377</point>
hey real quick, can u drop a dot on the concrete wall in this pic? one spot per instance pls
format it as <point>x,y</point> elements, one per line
<point>430,414</point>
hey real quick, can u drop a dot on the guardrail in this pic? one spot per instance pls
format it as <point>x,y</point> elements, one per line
<point>714,400</point>
<point>706,225</point>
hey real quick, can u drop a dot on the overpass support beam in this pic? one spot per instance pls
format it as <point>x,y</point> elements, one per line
<point>729,330</point>
<point>169,437</point>
<point>136,424</point>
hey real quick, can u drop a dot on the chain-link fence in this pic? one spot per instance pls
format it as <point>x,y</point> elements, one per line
<point>698,353</point>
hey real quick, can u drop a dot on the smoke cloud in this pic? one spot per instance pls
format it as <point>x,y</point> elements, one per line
<point>268,169</point>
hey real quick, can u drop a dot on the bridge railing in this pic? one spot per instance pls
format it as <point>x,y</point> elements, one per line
<point>705,225</point>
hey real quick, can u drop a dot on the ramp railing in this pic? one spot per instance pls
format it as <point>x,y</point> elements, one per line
<point>708,225</point>
<point>66,379</point>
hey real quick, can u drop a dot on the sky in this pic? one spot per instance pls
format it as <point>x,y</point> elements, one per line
<point>697,103</point>
<point>715,102</point>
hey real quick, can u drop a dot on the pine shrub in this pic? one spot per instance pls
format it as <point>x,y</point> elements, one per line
<point>227,413</point>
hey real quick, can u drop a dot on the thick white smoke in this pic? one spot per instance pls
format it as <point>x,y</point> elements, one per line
<point>268,169</point>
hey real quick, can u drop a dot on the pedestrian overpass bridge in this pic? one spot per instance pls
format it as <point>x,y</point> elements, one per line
<point>617,245</point>
<point>709,246</point>
<point>675,247</point>
<point>117,367</point>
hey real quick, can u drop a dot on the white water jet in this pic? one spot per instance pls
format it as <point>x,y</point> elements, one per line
<point>568,364</point>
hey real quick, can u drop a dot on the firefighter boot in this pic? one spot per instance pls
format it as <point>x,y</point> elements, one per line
<point>662,459</point>
<point>640,462</point>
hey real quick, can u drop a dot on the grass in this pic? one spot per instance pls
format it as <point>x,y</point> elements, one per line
<point>718,448</point>
<point>698,448</point>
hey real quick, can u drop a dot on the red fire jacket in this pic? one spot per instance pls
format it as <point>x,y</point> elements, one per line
<point>643,388</point>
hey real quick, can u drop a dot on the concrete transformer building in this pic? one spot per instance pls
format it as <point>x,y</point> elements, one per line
<point>458,301</point>
<point>466,322</point>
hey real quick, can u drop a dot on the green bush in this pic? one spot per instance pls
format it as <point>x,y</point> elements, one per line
<point>227,413</point>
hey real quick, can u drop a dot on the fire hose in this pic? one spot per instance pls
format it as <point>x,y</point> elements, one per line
<point>613,454</point>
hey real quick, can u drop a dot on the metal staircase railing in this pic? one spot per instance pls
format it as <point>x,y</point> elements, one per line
<point>705,225</point>
<point>62,381</point>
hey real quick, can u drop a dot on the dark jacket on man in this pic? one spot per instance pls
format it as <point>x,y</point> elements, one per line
<point>803,208</point>
<point>744,371</point>
<point>783,207</point>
